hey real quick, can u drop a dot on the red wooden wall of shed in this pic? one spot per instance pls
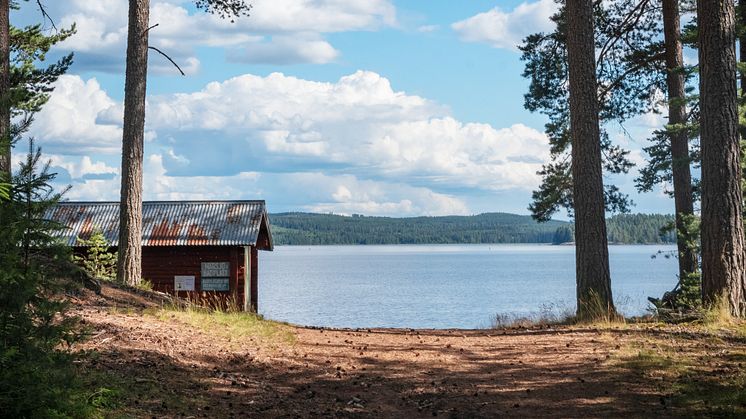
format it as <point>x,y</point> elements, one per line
<point>161,264</point>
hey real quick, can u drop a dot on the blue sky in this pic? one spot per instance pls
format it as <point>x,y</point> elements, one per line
<point>378,107</point>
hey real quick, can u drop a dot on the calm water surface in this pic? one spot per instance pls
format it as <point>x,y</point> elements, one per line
<point>443,286</point>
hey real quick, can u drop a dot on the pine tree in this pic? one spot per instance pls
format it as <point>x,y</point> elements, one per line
<point>24,86</point>
<point>5,138</point>
<point>594,299</point>
<point>129,269</point>
<point>630,68</point>
<point>677,133</point>
<point>722,206</point>
<point>633,62</point>
<point>36,376</point>
<point>98,260</point>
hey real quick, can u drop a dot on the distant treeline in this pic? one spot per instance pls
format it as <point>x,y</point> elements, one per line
<point>296,228</point>
<point>640,229</point>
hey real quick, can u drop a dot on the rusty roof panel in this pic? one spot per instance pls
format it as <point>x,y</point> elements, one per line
<point>165,223</point>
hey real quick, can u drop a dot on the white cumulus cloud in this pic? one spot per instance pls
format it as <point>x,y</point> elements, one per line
<point>283,50</point>
<point>69,120</point>
<point>342,194</point>
<point>276,32</point>
<point>346,194</point>
<point>353,145</point>
<point>502,29</point>
<point>359,122</point>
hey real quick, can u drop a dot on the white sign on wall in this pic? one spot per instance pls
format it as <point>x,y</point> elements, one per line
<point>215,284</point>
<point>184,282</point>
<point>215,269</point>
<point>215,276</point>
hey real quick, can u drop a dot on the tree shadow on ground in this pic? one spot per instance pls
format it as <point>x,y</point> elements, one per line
<point>167,369</point>
<point>409,374</point>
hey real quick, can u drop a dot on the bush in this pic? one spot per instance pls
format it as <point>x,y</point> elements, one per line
<point>98,261</point>
<point>145,285</point>
<point>36,376</point>
<point>684,302</point>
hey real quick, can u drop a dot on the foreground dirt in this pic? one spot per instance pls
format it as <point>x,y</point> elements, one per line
<point>170,369</point>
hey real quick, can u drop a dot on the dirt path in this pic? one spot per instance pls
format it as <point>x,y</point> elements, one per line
<point>171,369</point>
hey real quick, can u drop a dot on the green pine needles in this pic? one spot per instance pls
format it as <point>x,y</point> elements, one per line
<point>37,378</point>
<point>98,261</point>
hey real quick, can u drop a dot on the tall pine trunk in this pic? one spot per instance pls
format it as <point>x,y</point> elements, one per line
<point>722,219</point>
<point>5,161</point>
<point>682,178</point>
<point>742,49</point>
<point>594,297</point>
<point>129,269</point>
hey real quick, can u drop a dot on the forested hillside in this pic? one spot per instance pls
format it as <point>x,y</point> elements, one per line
<point>640,228</point>
<point>318,229</point>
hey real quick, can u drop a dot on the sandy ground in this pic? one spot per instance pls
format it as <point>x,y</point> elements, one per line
<point>171,369</point>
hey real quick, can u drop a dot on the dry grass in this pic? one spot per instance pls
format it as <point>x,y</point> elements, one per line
<point>233,325</point>
<point>560,315</point>
<point>548,315</point>
<point>718,317</point>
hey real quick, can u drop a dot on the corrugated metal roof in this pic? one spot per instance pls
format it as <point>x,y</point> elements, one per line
<point>170,223</point>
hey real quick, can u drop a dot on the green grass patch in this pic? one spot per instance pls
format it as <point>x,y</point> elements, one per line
<point>126,310</point>
<point>233,325</point>
<point>655,363</point>
<point>116,394</point>
<point>704,376</point>
<point>719,396</point>
<point>104,398</point>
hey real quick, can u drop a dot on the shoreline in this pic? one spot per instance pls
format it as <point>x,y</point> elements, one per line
<point>179,363</point>
<point>465,244</point>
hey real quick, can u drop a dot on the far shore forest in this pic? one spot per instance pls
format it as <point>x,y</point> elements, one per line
<point>298,228</point>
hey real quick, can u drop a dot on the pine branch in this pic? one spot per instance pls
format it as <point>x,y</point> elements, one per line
<point>44,14</point>
<point>169,59</point>
<point>621,31</point>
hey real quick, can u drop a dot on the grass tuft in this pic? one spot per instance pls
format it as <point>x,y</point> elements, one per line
<point>548,315</point>
<point>593,309</point>
<point>234,325</point>
<point>145,285</point>
<point>718,315</point>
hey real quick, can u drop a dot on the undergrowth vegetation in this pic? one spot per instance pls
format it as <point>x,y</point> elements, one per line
<point>697,366</point>
<point>231,324</point>
<point>562,314</point>
<point>697,369</point>
<point>37,378</point>
<point>114,394</point>
<point>548,315</point>
<point>99,261</point>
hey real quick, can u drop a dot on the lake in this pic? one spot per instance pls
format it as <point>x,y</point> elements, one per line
<point>443,286</point>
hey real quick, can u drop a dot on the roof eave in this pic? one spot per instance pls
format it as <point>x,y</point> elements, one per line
<point>266,224</point>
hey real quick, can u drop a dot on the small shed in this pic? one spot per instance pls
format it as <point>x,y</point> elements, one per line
<point>189,248</point>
